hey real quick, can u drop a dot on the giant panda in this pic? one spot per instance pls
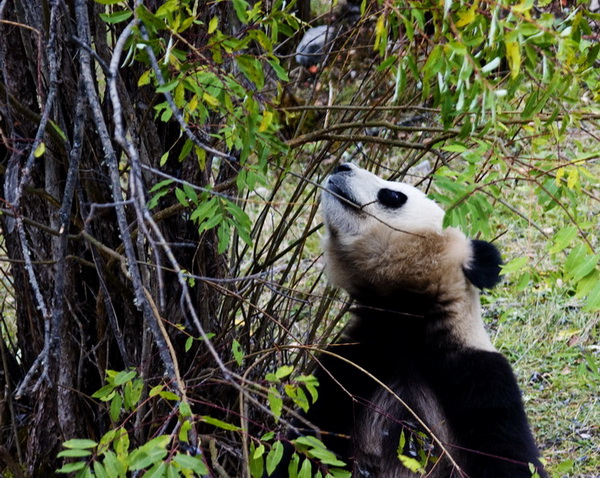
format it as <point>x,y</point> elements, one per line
<point>414,373</point>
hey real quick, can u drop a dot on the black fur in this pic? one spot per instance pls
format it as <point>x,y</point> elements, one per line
<point>409,349</point>
<point>484,269</point>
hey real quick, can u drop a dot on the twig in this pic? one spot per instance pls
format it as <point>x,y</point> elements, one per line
<point>176,112</point>
<point>93,53</point>
<point>43,357</point>
<point>324,135</point>
<point>64,214</point>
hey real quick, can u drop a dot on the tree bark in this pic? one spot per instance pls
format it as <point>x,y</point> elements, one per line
<point>79,312</point>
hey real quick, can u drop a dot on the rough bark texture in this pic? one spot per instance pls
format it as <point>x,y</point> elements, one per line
<point>76,310</point>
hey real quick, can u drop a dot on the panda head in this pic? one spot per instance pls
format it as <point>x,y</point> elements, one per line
<point>383,237</point>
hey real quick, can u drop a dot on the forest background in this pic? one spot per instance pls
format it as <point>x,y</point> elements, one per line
<point>162,290</point>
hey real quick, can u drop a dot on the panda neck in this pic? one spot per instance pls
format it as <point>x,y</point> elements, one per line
<point>447,321</point>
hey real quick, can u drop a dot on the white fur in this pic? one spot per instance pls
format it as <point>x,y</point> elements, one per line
<point>418,214</point>
<point>372,247</point>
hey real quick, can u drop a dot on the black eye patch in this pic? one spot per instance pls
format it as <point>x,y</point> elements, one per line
<point>390,198</point>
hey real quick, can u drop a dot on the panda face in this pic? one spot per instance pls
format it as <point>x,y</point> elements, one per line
<point>355,200</point>
<point>383,237</point>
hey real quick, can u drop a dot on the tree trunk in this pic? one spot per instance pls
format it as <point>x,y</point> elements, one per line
<point>79,309</point>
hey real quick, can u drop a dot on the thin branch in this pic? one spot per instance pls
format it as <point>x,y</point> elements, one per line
<point>324,135</point>
<point>64,215</point>
<point>176,112</point>
<point>43,357</point>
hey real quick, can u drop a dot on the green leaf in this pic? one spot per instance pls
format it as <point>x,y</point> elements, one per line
<point>99,470</point>
<point>311,384</point>
<point>580,263</point>
<point>121,443</point>
<point>192,463</point>
<point>204,210</point>
<point>241,7</point>
<point>258,452</point>
<point>411,464</point>
<point>592,302</point>
<point>325,456</point>
<point>40,150</point>
<point>219,424</point>
<point>132,393</point>
<point>80,443</point>
<point>181,197</point>
<point>210,222</point>
<point>434,62</point>
<point>104,392</point>
<point>143,458</point>
<point>309,441</point>
<point>298,396</point>
<point>256,464</point>
<point>171,85</point>
<point>71,467</point>
<point>213,24</point>
<point>513,55</point>
<point>563,239</point>
<point>186,426</point>
<point>185,409</point>
<point>115,407</point>
<point>155,390</point>
<point>150,453</point>
<point>116,17</point>
<point>145,78</point>
<point>279,71</point>
<point>190,193</point>
<point>455,148</point>
<point>237,351</point>
<point>170,396</point>
<point>565,466</point>
<point>161,185</point>
<point>74,453</point>
<point>274,457</point>
<point>338,473</point>
<point>114,466</point>
<point>157,471</point>
<point>385,64</point>
<point>305,469</point>
<point>252,69</point>
<point>123,377</point>
<point>284,371</point>
<point>188,343</point>
<point>275,402</point>
<point>163,160</point>
<point>401,443</point>
<point>224,236</point>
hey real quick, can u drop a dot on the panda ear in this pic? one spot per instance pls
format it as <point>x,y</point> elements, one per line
<point>483,269</point>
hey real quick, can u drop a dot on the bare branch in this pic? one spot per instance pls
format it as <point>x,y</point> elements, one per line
<point>43,358</point>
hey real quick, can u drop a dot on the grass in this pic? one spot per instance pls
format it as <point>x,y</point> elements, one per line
<point>552,344</point>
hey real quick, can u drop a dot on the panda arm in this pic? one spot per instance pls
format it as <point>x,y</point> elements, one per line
<point>482,402</point>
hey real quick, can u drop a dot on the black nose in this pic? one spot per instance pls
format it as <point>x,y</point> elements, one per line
<point>342,167</point>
